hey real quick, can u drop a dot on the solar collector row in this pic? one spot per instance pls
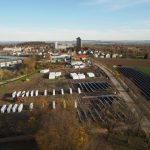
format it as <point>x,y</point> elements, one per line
<point>139,79</point>
<point>93,86</point>
<point>93,112</point>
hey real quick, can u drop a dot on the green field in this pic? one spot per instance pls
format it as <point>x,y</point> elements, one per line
<point>145,70</point>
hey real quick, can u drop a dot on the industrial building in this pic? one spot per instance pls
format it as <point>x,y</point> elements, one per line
<point>60,46</point>
<point>13,49</point>
<point>8,61</point>
<point>56,57</point>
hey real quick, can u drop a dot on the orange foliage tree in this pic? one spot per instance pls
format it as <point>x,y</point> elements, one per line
<point>61,130</point>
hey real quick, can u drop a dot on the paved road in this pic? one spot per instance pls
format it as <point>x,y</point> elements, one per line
<point>122,93</point>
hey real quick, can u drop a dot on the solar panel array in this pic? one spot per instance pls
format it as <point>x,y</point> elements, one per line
<point>93,86</point>
<point>94,111</point>
<point>141,80</point>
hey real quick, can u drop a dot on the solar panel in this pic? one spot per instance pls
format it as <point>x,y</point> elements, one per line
<point>141,80</point>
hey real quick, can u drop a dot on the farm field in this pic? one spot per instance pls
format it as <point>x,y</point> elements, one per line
<point>145,70</point>
<point>125,62</point>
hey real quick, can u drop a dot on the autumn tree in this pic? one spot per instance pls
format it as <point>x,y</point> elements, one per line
<point>29,64</point>
<point>1,74</point>
<point>48,56</point>
<point>5,74</point>
<point>60,130</point>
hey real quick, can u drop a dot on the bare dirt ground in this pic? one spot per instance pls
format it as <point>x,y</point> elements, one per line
<point>41,82</point>
<point>126,62</point>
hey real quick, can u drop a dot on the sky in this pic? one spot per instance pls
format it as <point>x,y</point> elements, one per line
<point>61,20</point>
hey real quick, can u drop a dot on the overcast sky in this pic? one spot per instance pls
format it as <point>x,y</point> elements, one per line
<point>47,20</point>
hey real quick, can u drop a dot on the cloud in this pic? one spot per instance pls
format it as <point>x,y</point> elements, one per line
<point>53,34</point>
<point>116,4</point>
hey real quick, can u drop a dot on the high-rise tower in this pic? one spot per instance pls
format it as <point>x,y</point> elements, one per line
<point>78,44</point>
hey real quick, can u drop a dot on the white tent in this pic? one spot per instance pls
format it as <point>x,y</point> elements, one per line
<point>3,109</point>
<point>91,74</point>
<point>14,94</point>
<point>81,76</point>
<point>32,93</point>
<point>14,108</point>
<point>36,93</point>
<point>19,94</point>
<point>74,76</point>
<point>108,56</point>
<point>54,92</point>
<point>52,75</point>
<point>23,93</point>
<point>58,74</point>
<point>70,90</point>
<point>20,108</point>
<point>62,91</point>
<point>9,108</point>
<point>79,90</point>
<point>45,92</point>
<point>44,71</point>
<point>27,93</point>
<point>31,106</point>
<point>54,105</point>
<point>75,104</point>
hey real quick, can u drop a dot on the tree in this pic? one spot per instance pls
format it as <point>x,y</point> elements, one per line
<point>146,56</point>
<point>60,130</point>
<point>110,125</point>
<point>148,141</point>
<point>1,74</point>
<point>29,64</point>
<point>5,74</point>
